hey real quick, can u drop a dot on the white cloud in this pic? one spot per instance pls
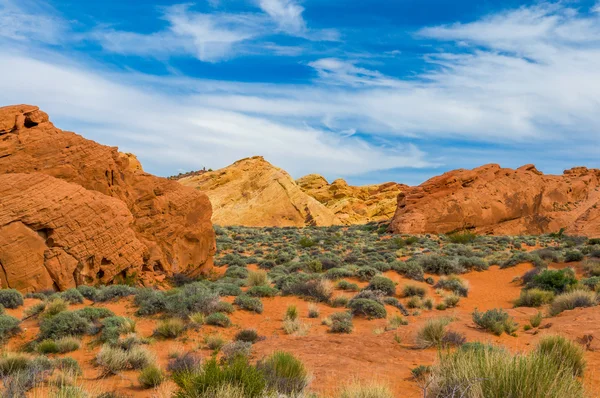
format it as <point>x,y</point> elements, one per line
<point>286,13</point>
<point>26,20</point>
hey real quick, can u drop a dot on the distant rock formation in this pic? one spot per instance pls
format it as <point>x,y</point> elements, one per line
<point>500,201</point>
<point>253,192</point>
<point>353,204</point>
<point>81,212</point>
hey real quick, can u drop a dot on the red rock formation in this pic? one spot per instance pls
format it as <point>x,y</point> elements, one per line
<point>495,200</point>
<point>170,223</point>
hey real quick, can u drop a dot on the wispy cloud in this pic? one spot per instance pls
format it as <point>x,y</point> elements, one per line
<point>26,20</point>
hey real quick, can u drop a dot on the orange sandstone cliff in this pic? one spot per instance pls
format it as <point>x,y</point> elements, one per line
<point>73,211</point>
<point>496,200</point>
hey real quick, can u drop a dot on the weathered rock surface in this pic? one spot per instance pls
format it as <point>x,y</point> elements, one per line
<point>353,204</point>
<point>253,192</point>
<point>170,223</point>
<point>496,200</point>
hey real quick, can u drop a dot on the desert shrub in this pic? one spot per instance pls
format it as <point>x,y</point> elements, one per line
<point>72,296</point>
<point>150,302</point>
<point>114,359</point>
<point>151,376</point>
<point>339,301</point>
<point>313,311</point>
<point>536,319</point>
<point>592,283</point>
<point>214,342</point>
<point>34,310</point>
<point>262,291</point>
<point>557,281</point>
<point>560,350</point>
<point>475,263</point>
<point>453,284</point>
<point>234,349</point>
<point>383,284</point>
<point>345,285</point>
<point>227,289</point>
<point>237,272</point>
<point>89,292</point>
<point>249,303</point>
<point>591,267</point>
<point>62,346</point>
<point>291,312</point>
<point>113,327</point>
<point>114,292</point>
<point>495,320</point>
<point>63,324</point>
<point>572,300</point>
<point>451,300</point>
<point>520,258</point>
<point>393,301</point>
<point>367,308</point>
<point>338,273</point>
<point>359,389</point>
<point>462,237</point>
<point>9,326</point>
<point>410,269</point>
<point>573,255</point>
<point>169,328</point>
<point>224,306</point>
<point>68,364</point>
<point>432,333</point>
<point>341,322</point>
<point>366,273</point>
<point>496,373</point>
<point>257,278</point>
<point>218,319</point>
<point>320,290</point>
<point>190,299</point>
<point>11,298</point>
<point>238,374</point>
<point>179,279</point>
<point>94,313</point>
<point>247,335</point>
<point>295,326</point>
<point>548,254</point>
<point>440,265</point>
<point>528,276</point>
<point>54,307</point>
<point>413,290</point>
<point>187,362</point>
<point>395,321</point>
<point>284,373</point>
<point>534,298</point>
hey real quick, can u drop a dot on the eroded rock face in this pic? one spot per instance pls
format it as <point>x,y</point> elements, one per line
<point>170,223</point>
<point>497,200</point>
<point>253,192</point>
<point>353,204</point>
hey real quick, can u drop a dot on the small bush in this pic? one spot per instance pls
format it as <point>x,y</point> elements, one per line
<point>9,326</point>
<point>521,258</point>
<point>235,349</point>
<point>94,313</point>
<point>345,285</point>
<point>367,308</point>
<point>440,265</point>
<point>413,290</point>
<point>534,298</point>
<point>451,300</point>
<point>188,362</point>
<point>560,350</point>
<point>291,312</point>
<point>313,311</point>
<point>366,273</point>
<point>54,307</point>
<point>410,269</point>
<point>151,376</point>
<point>114,359</point>
<point>366,390</point>
<point>257,278</point>
<point>262,291</point>
<point>249,303</point>
<point>11,298</point>
<point>169,328</point>
<point>495,320</point>
<point>247,335</point>
<point>284,373</point>
<point>214,342</point>
<point>453,284</point>
<point>536,320</point>
<point>556,281</point>
<point>320,290</point>
<point>114,292</point>
<point>218,319</point>
<point>572,300</point>
<point>573,255</point>
<point>72,296</point>
<point>150,302</point>
<point>89,292</point>
<point>432,333</point>
<point>341,322</point>
<point>462,237</point>
<point>339,301</point>
<point>395,322</point>
<point>35,310</point>
<point>382,284</point>
<point>63,324</point>
<point>338,273</point>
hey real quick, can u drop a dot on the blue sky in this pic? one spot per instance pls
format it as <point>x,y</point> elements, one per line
<point>368,91</point>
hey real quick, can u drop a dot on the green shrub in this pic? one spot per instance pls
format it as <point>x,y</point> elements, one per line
<point>560,350</point>
<point>313,311</point>
<point>495,373</point>
<point>371,389</point>
<point>291,312</point>
<point>34,310</point>
<point>218,319</point>
<point>345,285</point>
<point>47,347</point>
<point>234,349</point>
<point>54,307</point>
<point>114,326</point>
<point>573,255</point>
<point>9,326</point>
<point>249,303</point>
<point>451,300</point>
<point>367,308</point>
<point>11,298</point>
<point>94,313</point>
<point>257,278</point>
<point>453,284</point>
<point>284,373</point>
<point>68,364</point>
<point>440,265</point>
<point>63,324</point>
<point>556,281</point>
<point>192,298</point>
<point>247,335</point>
<point>413,290</point>
<point>462,237</point>
<point>591,267</point>
<point>228,289</point>
<point>67,344</point>
<point>410,269</point>
<point>113,292</point>
<point>114,359</point>
<point>169,328</point>
<point>320,290</point>
<point>150,302</point>
<point>341,322</point>
<point>592,283</point>
<point>339,301</point>
<point>151,376</point>
<point>89,292</point>
<point>338,273</point>
<point>72,296</point>
<point>382,284</point>
<point>572,300</point>
<point>214,376</point>
<point>262,291</point>
<point>534,298</point>
<point>432,333</point>
<point>366,273</point>
<point>521,258</point>
<point>536,320</point>
<point>495,320</point>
